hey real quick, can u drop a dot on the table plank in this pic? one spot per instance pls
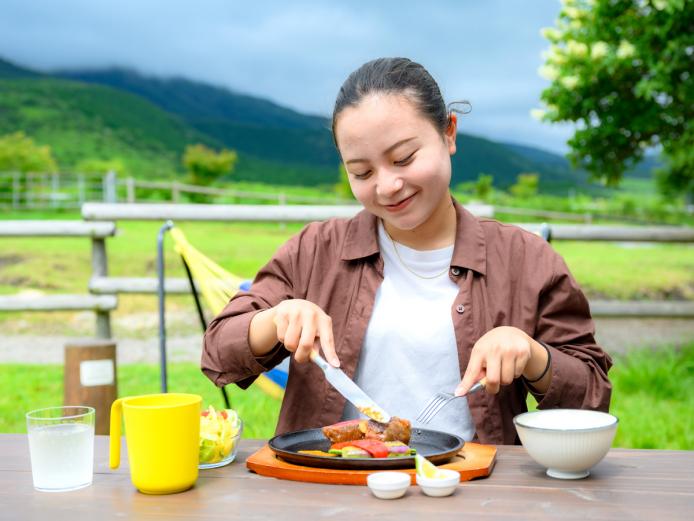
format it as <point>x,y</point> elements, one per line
<point>628,484</point>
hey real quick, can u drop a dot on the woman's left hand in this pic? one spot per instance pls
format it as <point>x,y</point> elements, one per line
<point>501,355</point>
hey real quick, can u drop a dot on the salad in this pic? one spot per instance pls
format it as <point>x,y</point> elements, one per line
<point>219,434</point>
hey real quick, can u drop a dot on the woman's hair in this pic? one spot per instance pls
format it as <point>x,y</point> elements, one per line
<point>394,76</point>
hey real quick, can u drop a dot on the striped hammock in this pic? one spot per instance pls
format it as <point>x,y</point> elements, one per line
<point>217,286</point>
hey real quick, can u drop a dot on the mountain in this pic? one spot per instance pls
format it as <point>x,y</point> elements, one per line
<point>10,70</point>
<point>195,101</point>
<point>147,122</point>
<point>642,170</point>
<point>263,129</point>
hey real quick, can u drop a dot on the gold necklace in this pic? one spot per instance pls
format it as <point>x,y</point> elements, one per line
<point>404,265</point>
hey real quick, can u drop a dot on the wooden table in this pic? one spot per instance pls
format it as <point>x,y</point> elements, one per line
<point>627,484</point>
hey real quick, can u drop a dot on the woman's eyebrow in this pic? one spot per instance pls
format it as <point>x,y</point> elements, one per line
<point>387,151</point>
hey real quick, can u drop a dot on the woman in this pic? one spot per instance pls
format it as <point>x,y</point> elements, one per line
<point>413,295</point>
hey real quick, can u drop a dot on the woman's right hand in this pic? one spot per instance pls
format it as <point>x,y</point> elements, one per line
<point>299,323</point>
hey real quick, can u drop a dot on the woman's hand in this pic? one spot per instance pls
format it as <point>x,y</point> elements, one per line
<point>297,324</point>
<point>502,355</point>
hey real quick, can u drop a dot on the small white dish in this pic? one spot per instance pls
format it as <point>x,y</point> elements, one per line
<point>441,486</point>
<point>388,485</point>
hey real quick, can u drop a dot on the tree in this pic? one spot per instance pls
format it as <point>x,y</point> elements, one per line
<point>621,70</point>
<point>526,185</point>
<point>484,186</point>
<point>19,153</point>
<point>102,166</point>
<point>206,166</point>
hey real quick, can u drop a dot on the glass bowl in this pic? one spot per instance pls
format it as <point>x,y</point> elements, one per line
<point>228,455</point>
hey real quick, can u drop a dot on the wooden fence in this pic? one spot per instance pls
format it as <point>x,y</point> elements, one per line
<point>102,305</point>
<point>72,190</point>
<point>100,223</point>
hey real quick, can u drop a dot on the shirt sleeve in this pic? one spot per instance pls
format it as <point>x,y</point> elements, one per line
<point>226,355</point>
<point>579,366</point>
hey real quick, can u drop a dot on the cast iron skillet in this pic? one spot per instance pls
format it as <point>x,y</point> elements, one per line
<point>438,447</point>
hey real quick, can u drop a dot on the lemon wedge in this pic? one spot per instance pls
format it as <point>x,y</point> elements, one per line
<point>426,468</point>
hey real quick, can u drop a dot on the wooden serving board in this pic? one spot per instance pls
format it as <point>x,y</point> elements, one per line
<point>473,461</point>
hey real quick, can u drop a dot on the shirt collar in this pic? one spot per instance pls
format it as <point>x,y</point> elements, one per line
<point>470,250</point>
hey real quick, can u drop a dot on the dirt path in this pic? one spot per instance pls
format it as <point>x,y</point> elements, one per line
<point>184,343</point>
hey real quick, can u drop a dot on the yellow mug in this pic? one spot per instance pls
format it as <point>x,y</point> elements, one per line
<point>163,436</point>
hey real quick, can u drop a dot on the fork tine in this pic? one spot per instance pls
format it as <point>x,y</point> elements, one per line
<point>433,411</point>
<point>433,407</point>
<point>440,400</point>
<point>425,409</point>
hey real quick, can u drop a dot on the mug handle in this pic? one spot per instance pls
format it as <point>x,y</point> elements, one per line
<point>115,433</point>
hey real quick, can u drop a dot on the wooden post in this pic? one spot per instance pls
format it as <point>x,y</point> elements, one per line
<point>110,188</point>
<point>16,190</point>
<point>55,189</point>
<point>81,193</point>
<point>130,187</point>
<point>282,200</point>
<point>100,269</point>
<point>90,378</point>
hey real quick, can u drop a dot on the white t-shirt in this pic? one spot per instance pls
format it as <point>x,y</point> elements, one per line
<point>410,351</point>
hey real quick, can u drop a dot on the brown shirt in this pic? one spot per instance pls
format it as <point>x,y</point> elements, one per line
<point>506,275</point>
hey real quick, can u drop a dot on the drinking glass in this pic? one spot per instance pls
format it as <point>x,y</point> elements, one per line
<point>61,445</point>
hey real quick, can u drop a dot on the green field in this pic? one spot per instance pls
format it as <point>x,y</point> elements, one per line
<point>59,265</point>
<point>652,390</point>
<point>63,265</point>
<point>26,387</point>
<point>652,396</point>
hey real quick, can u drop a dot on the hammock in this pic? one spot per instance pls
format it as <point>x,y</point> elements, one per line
<point>217,286</point>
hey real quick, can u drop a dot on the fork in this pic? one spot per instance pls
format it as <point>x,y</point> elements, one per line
<point>440,400</point>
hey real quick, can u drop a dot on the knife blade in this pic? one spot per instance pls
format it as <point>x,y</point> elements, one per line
<point>347,388</point>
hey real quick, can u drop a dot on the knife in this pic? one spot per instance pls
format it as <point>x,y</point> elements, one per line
<point>340,381</point>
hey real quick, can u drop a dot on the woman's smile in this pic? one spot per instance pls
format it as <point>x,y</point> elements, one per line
<point>401,205</point>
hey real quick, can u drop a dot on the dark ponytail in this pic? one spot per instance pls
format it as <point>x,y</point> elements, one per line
<point>395,76</point>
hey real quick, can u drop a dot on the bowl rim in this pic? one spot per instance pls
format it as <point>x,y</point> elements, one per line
<point>453,478</point>
<point>397,480</point>
<point>517,421</point>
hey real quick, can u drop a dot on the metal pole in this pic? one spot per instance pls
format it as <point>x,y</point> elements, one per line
<point>162,325</point>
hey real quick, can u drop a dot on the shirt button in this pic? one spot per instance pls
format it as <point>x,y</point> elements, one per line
<point>455,271</point>
<point>460,308</point>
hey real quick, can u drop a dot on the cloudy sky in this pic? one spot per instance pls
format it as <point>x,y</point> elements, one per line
<point>297,53</point>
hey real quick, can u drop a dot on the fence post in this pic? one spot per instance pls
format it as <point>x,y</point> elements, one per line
<point>55,188</point>
<point>16,189</point>
<point>175,192</point>
<point>282,200</point>
<point>81,194</point>
<point>109,188</point>
<point>90,378</point>
<point>100,269</point>
<point>130,188</point>
<point>28,191</point>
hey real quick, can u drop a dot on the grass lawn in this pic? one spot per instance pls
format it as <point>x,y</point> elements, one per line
<point>653,396</point>
<point>24,387</point>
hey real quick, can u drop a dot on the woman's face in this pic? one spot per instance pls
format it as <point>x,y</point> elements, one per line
<point>398,163</point>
